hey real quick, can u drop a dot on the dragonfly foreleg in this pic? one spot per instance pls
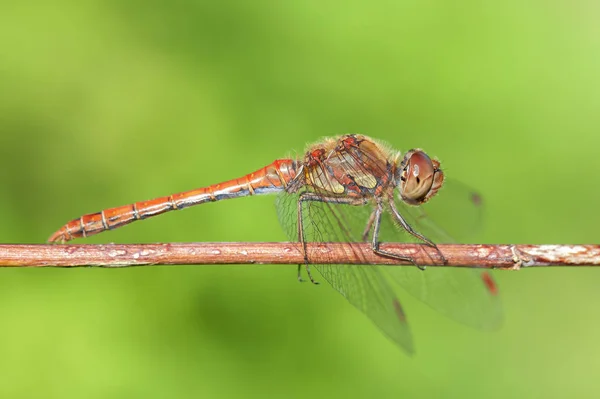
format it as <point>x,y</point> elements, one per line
<point>414,233</point>
<point>407,227</point>
<point>375,241</point>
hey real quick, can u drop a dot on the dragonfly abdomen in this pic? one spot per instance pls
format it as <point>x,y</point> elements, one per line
<point>272,178</point>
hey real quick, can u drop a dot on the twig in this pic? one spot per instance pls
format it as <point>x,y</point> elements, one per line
<point>510,257</point>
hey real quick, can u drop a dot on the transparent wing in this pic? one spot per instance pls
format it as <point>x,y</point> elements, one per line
<point>469,296</point>
<point>365,287</point>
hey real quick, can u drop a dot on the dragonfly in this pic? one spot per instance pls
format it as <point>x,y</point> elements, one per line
<point>353,189</point>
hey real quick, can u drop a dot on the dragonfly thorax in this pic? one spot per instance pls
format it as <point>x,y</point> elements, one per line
<point>350,166</point>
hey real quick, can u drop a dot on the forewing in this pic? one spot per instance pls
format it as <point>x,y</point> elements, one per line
<point>365,287</point>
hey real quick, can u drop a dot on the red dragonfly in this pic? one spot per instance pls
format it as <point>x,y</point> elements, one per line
<point>350,189</point>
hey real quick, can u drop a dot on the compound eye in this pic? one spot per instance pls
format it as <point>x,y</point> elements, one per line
<point>418,178</point>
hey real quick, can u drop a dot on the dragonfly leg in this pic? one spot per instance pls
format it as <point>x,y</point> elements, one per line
<point>365,234</point>
<point>310,277</point>
<point>375,241</point>
<point>414,233</point>
<point>407,227</point>
<point>302,241</point>
<point>306,197</point>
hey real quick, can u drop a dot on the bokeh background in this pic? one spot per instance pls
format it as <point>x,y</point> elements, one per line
<point>103,103</point>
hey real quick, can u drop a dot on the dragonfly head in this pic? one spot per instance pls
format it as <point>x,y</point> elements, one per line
<point>420,177</point>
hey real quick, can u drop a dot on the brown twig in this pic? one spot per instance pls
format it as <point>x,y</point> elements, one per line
<point>510,257</point>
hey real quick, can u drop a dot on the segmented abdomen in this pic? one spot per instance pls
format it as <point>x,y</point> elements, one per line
<point>272,178</point>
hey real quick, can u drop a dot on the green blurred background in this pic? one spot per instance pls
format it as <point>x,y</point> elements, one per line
<point>107,102</point>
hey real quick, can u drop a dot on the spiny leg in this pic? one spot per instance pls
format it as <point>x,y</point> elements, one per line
<point>414,233</point>
<point>310,277</point>
<point>375,241</point>
<point>306,197</point>
<point>407,227</point>
<point>302,242</point>
<point>365,234</point>
<point>300,274</point>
